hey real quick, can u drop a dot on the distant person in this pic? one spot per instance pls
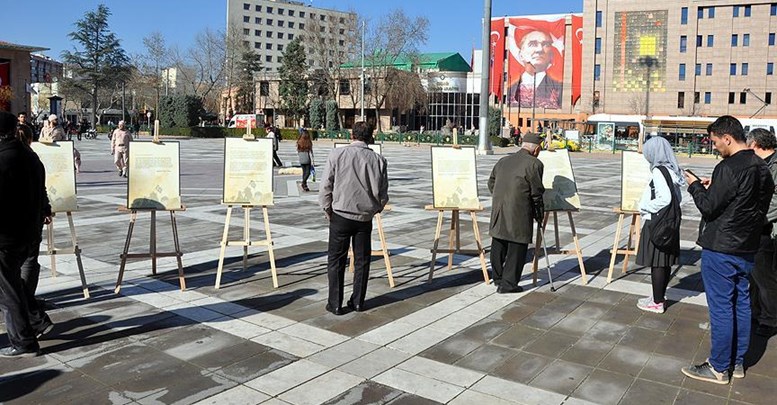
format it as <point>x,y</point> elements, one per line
<point>658,197</point>
<point>120,142</point>
<point>355,188</point>
<point>274,134</point>
<point>733,206</point>
<point>516,186</point>
<point>305,153</point>
<point>52,131</point>
<point>763,279</point>
<point>535,54</point>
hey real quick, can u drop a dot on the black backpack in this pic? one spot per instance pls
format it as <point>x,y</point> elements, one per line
<point>665,224</point>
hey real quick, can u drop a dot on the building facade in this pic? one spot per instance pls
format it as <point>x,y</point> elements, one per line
<point>680,57</point>
<point>15,76</point>
<point>267,26</point>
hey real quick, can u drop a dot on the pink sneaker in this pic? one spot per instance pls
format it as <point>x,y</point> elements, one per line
<point>647,304</point>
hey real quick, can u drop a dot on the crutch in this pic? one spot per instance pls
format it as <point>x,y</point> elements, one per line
<point>547,259</point>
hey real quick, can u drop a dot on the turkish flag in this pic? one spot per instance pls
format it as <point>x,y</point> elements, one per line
<point>577,56</point>
<point>497,49</point>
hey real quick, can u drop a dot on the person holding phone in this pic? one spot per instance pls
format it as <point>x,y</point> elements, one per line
<point>663,191</point>
<point>733,206</point>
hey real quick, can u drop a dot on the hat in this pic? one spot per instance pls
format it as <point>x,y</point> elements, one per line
<point>532,138</point>
<point>53,117</point>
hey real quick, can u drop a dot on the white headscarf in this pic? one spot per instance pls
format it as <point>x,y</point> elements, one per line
<point>658,152</point>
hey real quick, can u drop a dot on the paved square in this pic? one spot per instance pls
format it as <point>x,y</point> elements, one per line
<point>452,340</point>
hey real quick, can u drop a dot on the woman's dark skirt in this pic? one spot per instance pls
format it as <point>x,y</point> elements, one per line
<point>650,256</point>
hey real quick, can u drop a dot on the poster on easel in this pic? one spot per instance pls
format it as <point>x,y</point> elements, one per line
<point>154,176</point>
<point>248,174</point>
<point>376,147</point>
<point>57,159</point>
<point>454,178</point>
<point>559,181</point>
<point>635,176</point>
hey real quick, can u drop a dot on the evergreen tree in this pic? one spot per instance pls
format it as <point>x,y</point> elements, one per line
<point>294,81</point>
<point>100,62</point>
<point>250,63</point>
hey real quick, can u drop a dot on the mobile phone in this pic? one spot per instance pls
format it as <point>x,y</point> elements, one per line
<point>693,174</point>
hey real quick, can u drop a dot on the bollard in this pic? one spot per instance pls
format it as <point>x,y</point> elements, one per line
<point>690,149</point>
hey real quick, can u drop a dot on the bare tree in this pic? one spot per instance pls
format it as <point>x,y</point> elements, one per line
<point>637,104</point>
<point>201,67</point>
<point>155,58</point>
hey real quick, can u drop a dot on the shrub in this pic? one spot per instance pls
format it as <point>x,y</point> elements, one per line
<point>316,113</point>
<point>179,111</point>
<point>331,116</point>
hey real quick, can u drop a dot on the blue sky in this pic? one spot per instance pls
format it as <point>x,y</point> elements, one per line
<point>454,24</point>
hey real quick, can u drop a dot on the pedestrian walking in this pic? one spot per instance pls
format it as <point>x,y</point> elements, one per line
<point>305,153</point>
<point>733,207</point>
<point>120,142</point>
<point>52,131</point>
<point>659,243</point>
<point>516,186</point>
<point>355,188</point>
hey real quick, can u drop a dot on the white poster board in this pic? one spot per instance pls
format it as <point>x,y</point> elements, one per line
<point>57,159</point>
<point>454,178</point>
<point>154,176</point>
<point>559,181</point>
<point>248,174</point>
<point>635,176</point>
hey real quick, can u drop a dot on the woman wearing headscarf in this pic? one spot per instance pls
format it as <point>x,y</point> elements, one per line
<point>663,190</point>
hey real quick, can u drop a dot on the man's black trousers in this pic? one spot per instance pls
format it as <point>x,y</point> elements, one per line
<point>341,232</point>
<point>507,260</point>
<point>13,299</point>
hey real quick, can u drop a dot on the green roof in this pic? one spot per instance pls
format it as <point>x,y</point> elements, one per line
<point>442,61</point>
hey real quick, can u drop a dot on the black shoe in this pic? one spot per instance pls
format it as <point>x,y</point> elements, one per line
<point>337,311</point>
<point>44,329</point>
<point>356,308</point>
<point>502,290</point>
<point>11,351</point>
<point>765,331</point>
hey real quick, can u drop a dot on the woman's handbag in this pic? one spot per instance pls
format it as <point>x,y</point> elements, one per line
<point>665,224</point>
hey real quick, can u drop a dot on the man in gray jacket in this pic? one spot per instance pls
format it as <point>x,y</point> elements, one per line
<point>516,186</point>
<point>763,279</point>
<point>355,188</point>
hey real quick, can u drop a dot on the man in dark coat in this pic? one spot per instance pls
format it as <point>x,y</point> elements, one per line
<point>516,186</point>
<point>22,188</point>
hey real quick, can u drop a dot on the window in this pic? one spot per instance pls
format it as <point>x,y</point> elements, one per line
<point>683,44</point>
<point>290,36</point>
<point>773,10</point>
<point>322,17</point>
<point>291,13</point>
<point>743,98</point>
<point>269,21</point>
<point>280,35</point>
<point>345,87</point>
<point>264,89</point>
<point>302,26</point>
<point>770,69</point>
<point>342,31</point>
<point>302,14</point>
<point>269,34</point>
<point>734,40</point>
<point>280,47</point>
<point>744,69</point>
<point>246,19</point>
<point>257,20</point>
<point>597,72</point>
<point>698,69</point>
<point>341,42</point>
<point>280,11</point>
<point>710,41</point>
<point>268,58</point>
<point>748,9</point>
<point>258,33</point>
<point>696,97</point>
<point>599,18</point>
<point>280,23</point>
<point>342,20</point>
<point>699,40</point>
<point>269,10</point>
<point>771,39</point>
<point>280,59</point>
<point>684,15</point>
<point>732,69</point>
<point>291,24</point>
<point>246,31</point>
<point>736,11</point>
<point>258,8</point>
<point>708,69</point>
<point>681,99</point>
<point>246,6</point>
<point>700,13</point>
<point>768,97</point>
<point>746,40</point>
<point>707,97</point>
<point>731,97</point>
<point>322,29</point>
<point>682,72</point>
<point>598,46</point>
<point>257,45</point>
<point>268,46</point>
<point>711,12</point>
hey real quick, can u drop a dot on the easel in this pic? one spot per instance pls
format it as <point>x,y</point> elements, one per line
<point>383,248</point>
<point>557,248</point>
<point>53,251</point>
<point>246,242</point>
<point>634,232</point>
<point>454,240</point>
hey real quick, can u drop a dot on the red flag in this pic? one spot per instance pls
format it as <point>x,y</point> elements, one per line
<point>577,56</point>
<point>497,49</point>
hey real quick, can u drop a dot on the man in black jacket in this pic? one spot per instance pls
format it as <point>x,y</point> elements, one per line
<point>22,187</point>
<point>733,206</point>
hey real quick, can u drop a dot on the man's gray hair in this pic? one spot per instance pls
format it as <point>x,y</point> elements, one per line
<point>763,138</point>
<point>529,146</point>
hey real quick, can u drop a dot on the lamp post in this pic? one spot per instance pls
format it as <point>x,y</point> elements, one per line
<point>484,146</point>
<point>361,93</point>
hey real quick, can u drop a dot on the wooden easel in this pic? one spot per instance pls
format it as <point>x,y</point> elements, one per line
<point>454,240</point>
<point>557,247</point>
<point>152,253</point>
<point>383,248</point>
<point>53,251</point>
<point>634,231</point>
<point>246,242</point>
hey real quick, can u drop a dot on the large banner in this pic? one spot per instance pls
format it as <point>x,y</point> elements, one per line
<point>536,61</point>
<point>577,57</point>
<point>57,159</point>
<point>5,85</point>
<point>559,181</point>
<point>248,175</point>
<point>640,51</point>
<point>454,178</point>
<point>497,44</point>
<point>635,176</point>
<point>154,176</point>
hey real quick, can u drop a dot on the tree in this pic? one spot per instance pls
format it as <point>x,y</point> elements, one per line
<point>331,116</point>
<point>250,63</point>
<point>404,91</point>
<point>294,81</point>
<point>100,62</point>
<point>201,67</point>
<point>156,57</point>
<point>316,111</point>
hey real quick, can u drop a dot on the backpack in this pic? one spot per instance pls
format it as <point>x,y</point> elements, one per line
<point>665,224</point>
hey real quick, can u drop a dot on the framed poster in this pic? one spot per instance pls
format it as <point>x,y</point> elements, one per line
<point>154,176</point>
<point>454,178</point>
<point>559,181</point>
<point>248,174</point>
<point>635,176</point>
<point>376,147</point>
<point>57,159</point>
<point>605,132</point>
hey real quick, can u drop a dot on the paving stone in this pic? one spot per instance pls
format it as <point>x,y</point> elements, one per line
<point>366,393</point>
<point>648,392</point>
<point>486,330</point>
<point>515,312</point>
<point>604,387</point>
<point>374,363</point>
<point>574,325</point>
<point>625,360</point>
<point>256,366</point>
<point>587,351</point>
<point>235,396</point>
<point>46,385</point>
<point>510,391</point>
<point>522,367</point>
<point>698,398</point>
<point>343,353</point>
<point>517,337</point>
<point>561,377</point>
<point>422,386</point>
<point>287,377</point>
<point>473,397</point>
<point>486,358</point>
<point>755,389</point>
<point>441,371</point>
<point>452,349</point>
<point>551,344</point>
<point>663,369</point>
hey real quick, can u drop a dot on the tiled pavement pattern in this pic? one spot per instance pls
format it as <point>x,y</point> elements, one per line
<point>450,341</point>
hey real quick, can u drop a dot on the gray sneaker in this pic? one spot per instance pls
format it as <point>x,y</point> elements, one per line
<point>739,371</point>
<point>705,372</point>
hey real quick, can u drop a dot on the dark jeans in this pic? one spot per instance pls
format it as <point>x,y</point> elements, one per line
<point>763,284</point>
<point>276,161</point>
<point>507,260</point>
<point>13,300</point>
<point>30,274</point>
<point>305,174</point>
<point>341,232</point>
<point>726,284</point>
